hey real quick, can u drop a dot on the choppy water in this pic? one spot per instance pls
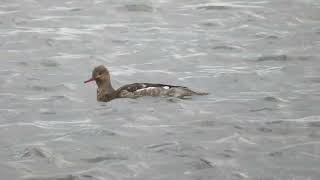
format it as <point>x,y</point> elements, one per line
<point>258,59</point>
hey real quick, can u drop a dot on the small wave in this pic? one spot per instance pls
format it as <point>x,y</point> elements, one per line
<point>50,63</point>
<point>267,36</point>
<point>36,98</point>
<point>138,8</point>
<point>210,24</point>
<point>68,56</point>
<point>271,99</point>
<point>214,7</point>
<point>53,98</point>
<point>226,47</point>
<point>180,56</point>
<point>314,124</point>
<point>62,124</point>
<point>281,57</point>
<point>55,177</point>
<point>60,8</point>
<point>131,70</point>
<point>155,146</point>
<point>222,6</point>
<point>41,152</point>
<point>66,97</point>
<point>8,95</point>
<point>8,12</point>
<point>307,119</point>
<point>52,88</point>
<point>46,18</point>
<point>111,157</point>
<point>202,163</point>
<point>261,109</point>
<point>95,132</point>
<point>47,111</point>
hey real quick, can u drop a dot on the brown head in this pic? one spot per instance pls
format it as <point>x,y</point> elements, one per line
<point>100,74</point>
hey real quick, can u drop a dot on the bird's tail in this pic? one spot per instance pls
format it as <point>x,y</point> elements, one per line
<point>200,93</point>
<point>196,92</point>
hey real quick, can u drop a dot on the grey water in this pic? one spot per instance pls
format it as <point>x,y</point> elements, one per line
<point>258,59</point>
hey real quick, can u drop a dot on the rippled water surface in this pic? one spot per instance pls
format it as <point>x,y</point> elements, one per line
<point>259,59</point>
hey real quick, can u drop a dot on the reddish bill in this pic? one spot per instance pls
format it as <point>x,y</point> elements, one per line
<point>89,80</point>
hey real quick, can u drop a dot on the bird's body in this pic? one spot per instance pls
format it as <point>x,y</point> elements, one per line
<point>105,91</point>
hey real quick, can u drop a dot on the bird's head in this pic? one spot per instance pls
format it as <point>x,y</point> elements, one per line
<point>99,74</point>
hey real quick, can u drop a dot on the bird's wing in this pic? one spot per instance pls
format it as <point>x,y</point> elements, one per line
<point>139,86</point>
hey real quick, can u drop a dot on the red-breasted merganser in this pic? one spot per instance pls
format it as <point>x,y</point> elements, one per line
<point>105,91</point>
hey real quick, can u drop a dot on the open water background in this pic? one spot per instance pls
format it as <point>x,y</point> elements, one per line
<point>259,59</point>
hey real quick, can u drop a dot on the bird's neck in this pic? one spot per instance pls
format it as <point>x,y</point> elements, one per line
<point>105,87</point>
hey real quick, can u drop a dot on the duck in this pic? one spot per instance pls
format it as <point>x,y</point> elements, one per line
<point>106,92</point>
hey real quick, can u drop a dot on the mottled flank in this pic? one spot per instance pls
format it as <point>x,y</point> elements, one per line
<point>148,89</point>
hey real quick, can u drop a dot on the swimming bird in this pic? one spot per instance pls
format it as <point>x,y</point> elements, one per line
<point>106,92</point>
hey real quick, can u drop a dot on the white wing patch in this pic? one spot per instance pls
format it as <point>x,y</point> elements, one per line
<point>166,87</point>
<point>145,89</point>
